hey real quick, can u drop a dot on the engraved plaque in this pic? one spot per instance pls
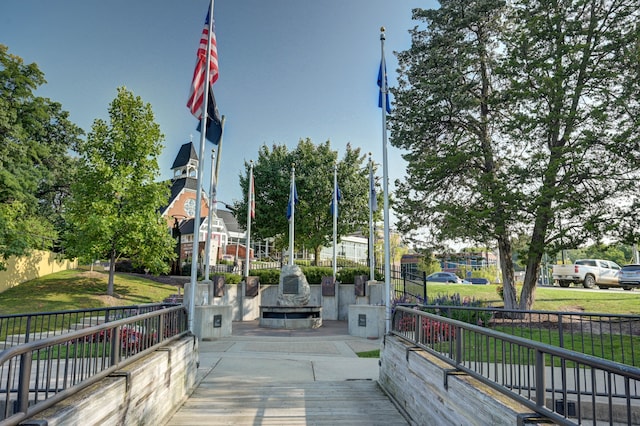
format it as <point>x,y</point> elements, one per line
<point>360,283</point>
<point>251,286</point>
<point>362,320</point>
<point>217,321</point>
<point>290,285</point>
<point>218,285</point>
<point>328,286</point>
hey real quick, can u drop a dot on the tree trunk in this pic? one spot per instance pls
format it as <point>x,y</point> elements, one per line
<point>112,273</point>
<point>506,266</point>
<point>316,255</point>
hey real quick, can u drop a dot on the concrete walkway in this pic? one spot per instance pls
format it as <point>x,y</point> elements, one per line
<point>261,376</point>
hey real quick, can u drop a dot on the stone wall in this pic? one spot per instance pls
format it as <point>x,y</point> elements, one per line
<point>146,392</point>
<point>416,381</point>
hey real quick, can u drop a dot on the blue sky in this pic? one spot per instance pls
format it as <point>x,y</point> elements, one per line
<point>289,69</point>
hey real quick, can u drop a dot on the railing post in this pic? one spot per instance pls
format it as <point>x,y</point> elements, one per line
<point>459,337</point>
<point>26,334</point>
<point>424,287</point>
<point>403,274</point>
<point>24,381</point>
<point>115,345</point>
<point>560,331</point>
<point>539,377</point>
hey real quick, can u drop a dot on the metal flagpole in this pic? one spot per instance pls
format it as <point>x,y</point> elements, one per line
<point>196,219</point>
<point>334,212</point>
<point>292,206</point>
<point>385,184</point>
<point>250,204</point>
<point>222,120</point>
<point>212,206</point>
<point>372,194</point>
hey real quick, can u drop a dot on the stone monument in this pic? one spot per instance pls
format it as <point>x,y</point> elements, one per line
<point>292,310</point>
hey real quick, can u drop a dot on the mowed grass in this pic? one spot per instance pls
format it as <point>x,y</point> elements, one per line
<point>77,289</point>
<point>615,301</point>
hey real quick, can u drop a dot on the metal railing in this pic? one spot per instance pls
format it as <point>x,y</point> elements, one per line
<point>36,375</point>
<point>23,328</point>
<point>563,385</point>
<point>614,337</point>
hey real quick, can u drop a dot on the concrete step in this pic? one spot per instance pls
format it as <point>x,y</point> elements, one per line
<point>356,402</point>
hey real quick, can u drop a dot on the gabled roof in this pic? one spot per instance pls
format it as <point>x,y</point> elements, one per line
<point>230,221</point>
<point>180,184</point>
<point>187,152</point>
<point>186,226</point>
<point>177,185</point>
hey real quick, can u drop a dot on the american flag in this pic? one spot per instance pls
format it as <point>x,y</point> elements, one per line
<point>196,94</point>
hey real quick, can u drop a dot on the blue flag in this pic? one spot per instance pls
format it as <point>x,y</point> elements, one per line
<point>293,199</point>
<point>339,197</point>
<point>386,87</point>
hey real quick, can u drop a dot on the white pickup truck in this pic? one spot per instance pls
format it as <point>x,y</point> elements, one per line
<point>588,272</point>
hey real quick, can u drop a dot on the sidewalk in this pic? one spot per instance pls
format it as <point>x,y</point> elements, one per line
<point>262,376</point>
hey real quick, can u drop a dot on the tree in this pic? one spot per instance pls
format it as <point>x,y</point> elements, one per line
<point>448,104</point>
<point>520,120</point>
<point>314,183</point>
<point>114,209</point>
<point>35,168</point>
<point>574,89</point>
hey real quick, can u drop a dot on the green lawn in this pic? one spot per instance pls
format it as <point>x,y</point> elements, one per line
<point>76,289</point>
<point>548,299</point>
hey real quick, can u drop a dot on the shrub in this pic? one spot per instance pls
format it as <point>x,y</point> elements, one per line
<point>314,274</point>
<point>229,278</point>
<point>346,275</point>
<point>454,300</point>
<point>266,276</point>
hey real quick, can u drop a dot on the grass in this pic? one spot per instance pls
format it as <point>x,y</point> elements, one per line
<point>546,299</point>
<point>76,289</point>
<point>369,354</point>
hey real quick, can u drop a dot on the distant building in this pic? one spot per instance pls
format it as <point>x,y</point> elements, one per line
<point>180,214</point>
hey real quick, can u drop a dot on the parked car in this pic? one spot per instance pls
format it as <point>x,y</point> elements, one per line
<point>446,277</point>
<point>588,272</point>
<point>481,281</point>
<point>629,277</point>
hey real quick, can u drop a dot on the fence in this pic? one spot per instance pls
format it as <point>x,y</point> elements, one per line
<point>23,328</point>
<point>564,385</point>
<point>36,375</point>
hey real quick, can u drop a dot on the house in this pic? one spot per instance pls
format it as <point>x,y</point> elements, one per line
<point>180,214</point>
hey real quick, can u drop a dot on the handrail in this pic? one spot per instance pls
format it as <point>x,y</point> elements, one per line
<point>36,375</point>
<point>523,369</point>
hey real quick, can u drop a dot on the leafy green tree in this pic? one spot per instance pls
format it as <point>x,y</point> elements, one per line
<point>574,91</point>
<point>446,110</point>
<point>520,120</point>
<point>35,168</point>
<point>314,166</point>
<point>114,209</point>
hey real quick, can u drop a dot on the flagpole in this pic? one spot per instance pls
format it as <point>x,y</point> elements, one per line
<point>212,206</point>
<point>385,184</point>
<point>222,120</point>
<point>292,202</point>
<point>372,258</point>
<point>334,211</point>
<point>250,204</point>
<point>196,219</point>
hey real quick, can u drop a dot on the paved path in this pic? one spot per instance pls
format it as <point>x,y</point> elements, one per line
<point>261,376</point>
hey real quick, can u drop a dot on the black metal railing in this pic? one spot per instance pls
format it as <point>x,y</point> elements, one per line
<point>42,372</point>
<point>614,337</point>
<point>23,328</point>
<point>564,385</point>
